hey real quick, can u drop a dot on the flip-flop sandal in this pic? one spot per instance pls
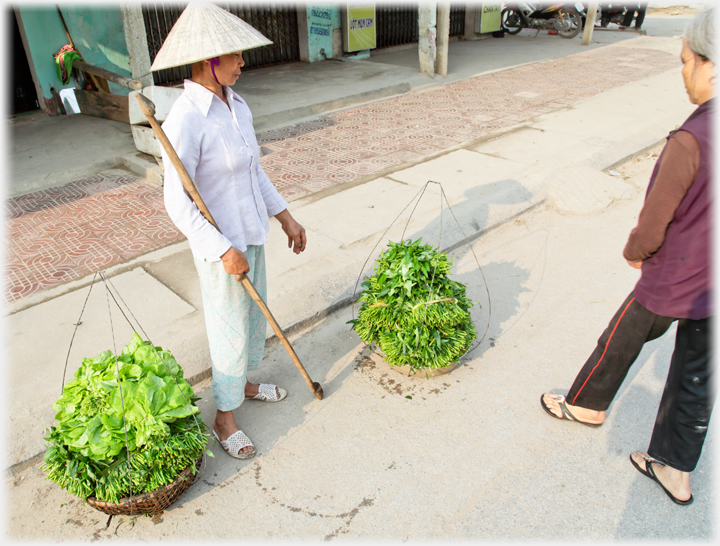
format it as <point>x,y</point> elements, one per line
<point>650,473</point>
<point>267,393</point>
<point>235,443</point>
<point>637,466</point>
<point>566,414</point>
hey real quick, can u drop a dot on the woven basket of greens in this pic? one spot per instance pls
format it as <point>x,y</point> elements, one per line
<point>412,310</point>
<point>130,420</point>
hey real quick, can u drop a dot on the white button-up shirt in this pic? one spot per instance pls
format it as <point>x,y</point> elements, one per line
<point>219,150</point>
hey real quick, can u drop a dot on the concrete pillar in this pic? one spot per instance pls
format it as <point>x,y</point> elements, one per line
<point>337,51</point>
<point>427,43</point>
<point>589,23</point>
<point>319,33</point>
<point>470,11</point>
<point>136,41</point>
<point>443,37</point>
<point>303,32</point>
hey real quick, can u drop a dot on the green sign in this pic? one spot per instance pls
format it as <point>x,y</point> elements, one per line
<point>490,18</point>
<point>360,26</point>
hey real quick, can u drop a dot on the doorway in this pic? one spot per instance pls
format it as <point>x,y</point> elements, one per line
<point>24,94</point>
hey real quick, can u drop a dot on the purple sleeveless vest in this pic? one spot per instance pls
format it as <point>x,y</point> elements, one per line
<point>676,280</point>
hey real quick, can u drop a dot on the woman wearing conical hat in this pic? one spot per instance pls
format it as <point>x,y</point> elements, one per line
<point>211,129</point>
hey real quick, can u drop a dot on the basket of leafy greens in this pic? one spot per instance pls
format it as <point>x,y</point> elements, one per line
<point>129,436</point>
<point>413,311</point>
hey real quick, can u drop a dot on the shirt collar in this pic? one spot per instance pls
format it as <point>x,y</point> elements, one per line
<point>203,97</point>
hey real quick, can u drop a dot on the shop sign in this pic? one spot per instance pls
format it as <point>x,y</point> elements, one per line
<point>360,26</point>
<point>490,18</point>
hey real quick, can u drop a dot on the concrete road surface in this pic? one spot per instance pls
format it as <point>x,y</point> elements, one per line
<point>466,455</point>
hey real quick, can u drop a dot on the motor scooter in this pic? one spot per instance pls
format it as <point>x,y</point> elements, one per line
<point>583,8</point>
<point>614,12</point>
<point>562,17</point>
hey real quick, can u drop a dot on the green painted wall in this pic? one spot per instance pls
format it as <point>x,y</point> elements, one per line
<point>322,20</point>
<point>96,30</point>
<point>100,38</point>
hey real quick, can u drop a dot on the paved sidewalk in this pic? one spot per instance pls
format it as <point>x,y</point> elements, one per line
<point>64,233</point>
<point>469,456</point>
<point>70,231</point>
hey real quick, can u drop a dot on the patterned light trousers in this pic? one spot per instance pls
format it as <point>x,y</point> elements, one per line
<point>235,325</point>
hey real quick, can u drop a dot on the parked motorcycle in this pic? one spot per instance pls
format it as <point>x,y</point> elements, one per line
<point>612,13</point>
<point>583,7</point>
<point>562,17</point>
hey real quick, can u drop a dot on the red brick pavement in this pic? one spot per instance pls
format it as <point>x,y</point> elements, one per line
<point>63,233</point>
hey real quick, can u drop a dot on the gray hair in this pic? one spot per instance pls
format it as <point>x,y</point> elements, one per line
<point>700,35</point>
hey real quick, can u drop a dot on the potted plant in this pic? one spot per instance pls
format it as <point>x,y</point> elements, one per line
<point>148,416</point>
<point>413,311</point>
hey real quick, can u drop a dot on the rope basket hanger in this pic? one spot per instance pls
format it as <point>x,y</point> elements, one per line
<point>159,499</point>
<point>444,203</point>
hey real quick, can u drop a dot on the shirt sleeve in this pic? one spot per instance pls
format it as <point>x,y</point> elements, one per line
<point>274,202</point>
<point>185,137</point>
<point>676,173</point>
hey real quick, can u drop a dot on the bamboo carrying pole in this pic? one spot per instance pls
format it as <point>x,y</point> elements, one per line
<point>148,108</point>
<point>135,85</point>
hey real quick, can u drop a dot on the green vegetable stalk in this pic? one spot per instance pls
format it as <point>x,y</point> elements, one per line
<point>151,411</point>
<point>412,310</point>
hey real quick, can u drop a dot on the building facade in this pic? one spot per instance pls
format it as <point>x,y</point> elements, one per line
<point>124,39</point>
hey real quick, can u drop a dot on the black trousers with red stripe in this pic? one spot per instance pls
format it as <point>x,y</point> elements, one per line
<point>686,405</point>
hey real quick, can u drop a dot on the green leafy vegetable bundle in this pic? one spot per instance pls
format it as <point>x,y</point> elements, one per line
<point>412,310</point>
<point>88,448</point>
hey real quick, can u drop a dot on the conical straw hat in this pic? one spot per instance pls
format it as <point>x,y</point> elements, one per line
<point>203,31</point>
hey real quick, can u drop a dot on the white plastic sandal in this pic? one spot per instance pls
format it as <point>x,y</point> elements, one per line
<point>267,393</point>
<point>235,443</point>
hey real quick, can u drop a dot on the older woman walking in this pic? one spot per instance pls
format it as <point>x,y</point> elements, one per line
<point>672,246</point>
<point>211,129</point>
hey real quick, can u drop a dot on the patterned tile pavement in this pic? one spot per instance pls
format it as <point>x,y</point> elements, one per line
<point>63,233</point>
